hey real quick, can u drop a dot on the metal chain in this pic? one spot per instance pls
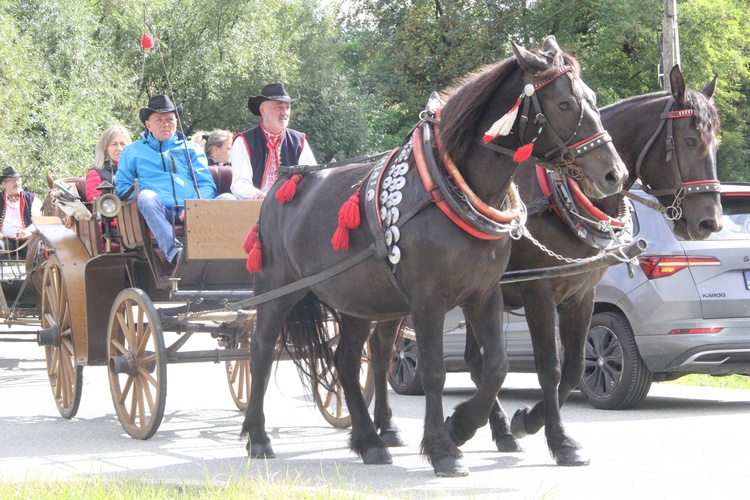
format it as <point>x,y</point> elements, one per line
<point>616,251</point>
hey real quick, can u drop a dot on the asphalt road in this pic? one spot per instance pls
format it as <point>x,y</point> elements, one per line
<point>681,443</point>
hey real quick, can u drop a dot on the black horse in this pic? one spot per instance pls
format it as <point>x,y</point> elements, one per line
<point>427,242</point>
<point>668,143</point>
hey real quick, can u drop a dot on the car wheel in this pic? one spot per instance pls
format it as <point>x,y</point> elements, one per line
<point>403,375</point>
<point>615,377</point>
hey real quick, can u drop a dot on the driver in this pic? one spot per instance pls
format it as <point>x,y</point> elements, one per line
<point>16,209</point>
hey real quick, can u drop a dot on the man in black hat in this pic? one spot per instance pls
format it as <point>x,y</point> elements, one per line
<point>169,169</point>
<point>16,209</point>
<point>258,153</point>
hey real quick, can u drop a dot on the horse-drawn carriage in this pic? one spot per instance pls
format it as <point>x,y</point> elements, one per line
<point>441,210</point>
<point>108,296</point>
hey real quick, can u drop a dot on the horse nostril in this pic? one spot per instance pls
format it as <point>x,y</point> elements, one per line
<point>612,178</point>
<point>709,225</point>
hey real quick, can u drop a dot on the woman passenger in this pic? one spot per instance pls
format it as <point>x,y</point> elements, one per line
<point>106,156</point>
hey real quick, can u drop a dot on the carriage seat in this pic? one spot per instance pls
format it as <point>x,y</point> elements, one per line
<point>81,188</point>
<point>222,175</point>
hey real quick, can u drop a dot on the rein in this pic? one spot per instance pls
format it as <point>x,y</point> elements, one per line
<point>681,188</point>
<point>307,169</point>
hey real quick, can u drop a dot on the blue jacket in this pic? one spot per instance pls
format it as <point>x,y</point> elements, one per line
<point>163,168</point>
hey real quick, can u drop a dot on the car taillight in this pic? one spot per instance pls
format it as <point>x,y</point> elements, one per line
<point>681,331</point>
<point>655,266</point>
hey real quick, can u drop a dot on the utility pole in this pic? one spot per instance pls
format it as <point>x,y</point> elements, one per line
<point>670,43</point>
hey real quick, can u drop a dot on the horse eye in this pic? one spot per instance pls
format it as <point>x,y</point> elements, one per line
<point>564,106</point>
<point>691,142</point>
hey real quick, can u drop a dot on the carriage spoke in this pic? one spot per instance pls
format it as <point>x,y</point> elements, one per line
<point>125,391</point>
<point>117,345</point>
<point>143,339</point>
<point>133,403</point>
<point>129,331</point>
<point>144,374</point>
<point>140,389</point>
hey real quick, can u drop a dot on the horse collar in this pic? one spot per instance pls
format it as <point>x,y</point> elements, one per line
<point>586,221</point>
<point>455,198</point>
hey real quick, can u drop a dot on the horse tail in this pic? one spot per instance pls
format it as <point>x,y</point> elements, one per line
<point>305,336</point>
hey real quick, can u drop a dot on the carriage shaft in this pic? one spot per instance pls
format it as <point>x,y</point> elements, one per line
<point>215,355</point>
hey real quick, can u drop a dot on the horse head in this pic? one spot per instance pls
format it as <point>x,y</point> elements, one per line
<point>684,177</point>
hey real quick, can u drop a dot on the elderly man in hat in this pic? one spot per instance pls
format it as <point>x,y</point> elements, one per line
<point>258,153</point>
<point>169,170</point>
<point>16,209</point>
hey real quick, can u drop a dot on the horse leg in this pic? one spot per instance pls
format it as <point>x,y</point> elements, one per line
<point>381,350</point>
<point>270,320</point>
<point>485,319</point>
<point>540,317</point>
<point>437,445</point>
<point>574,325</point>
<point>499,422</point>
<point>347,359</point>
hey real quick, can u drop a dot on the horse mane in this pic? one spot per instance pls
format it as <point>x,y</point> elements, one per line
<point>706,117</point>
<point>466,101</point>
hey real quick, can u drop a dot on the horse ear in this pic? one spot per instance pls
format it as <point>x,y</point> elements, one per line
<point>677,84</point>
<point>553,51</point>
<point>529,62</point>
<point>710,88</point>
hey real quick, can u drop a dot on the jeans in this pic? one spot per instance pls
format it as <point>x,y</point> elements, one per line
<point>159,220</point>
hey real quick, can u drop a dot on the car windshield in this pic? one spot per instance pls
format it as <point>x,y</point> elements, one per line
<point>736,220</point>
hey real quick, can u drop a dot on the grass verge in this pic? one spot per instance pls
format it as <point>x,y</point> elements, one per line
<point>727,382</point>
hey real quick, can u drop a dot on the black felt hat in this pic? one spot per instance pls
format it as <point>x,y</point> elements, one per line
<point>270,92</point>
<point>159,104</point>
<point>10,172</point>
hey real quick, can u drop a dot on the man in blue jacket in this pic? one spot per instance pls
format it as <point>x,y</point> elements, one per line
<point>169,170</point>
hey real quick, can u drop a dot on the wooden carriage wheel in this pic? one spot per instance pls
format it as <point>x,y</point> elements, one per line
<point>65,375</point>
<point>137,363</point>
<point>332,403</point>
<point>238,371</point>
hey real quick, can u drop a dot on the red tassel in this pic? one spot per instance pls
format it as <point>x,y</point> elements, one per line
<point>252,237</point>
<point>340,240</point>
<point>523,153</point>
<point>349,213</point>
<point>254,258</point>
<point>286,192</point>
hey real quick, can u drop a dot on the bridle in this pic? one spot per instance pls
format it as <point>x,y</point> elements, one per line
<point>561,158</point>
<point>681,188</point>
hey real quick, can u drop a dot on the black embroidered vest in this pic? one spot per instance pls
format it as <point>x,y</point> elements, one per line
<point>26,199</point>
<point>291,149</point>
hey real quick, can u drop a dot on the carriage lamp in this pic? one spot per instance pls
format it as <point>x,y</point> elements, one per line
<point>108,205</point>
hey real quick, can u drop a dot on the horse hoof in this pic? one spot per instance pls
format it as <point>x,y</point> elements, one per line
<point>392,438</point>
<point>508,444</point>
<point>517,427</point>
<point>261,451</point>
<point>377,456</point>
<point>449,467</point>
<point>570,457</point>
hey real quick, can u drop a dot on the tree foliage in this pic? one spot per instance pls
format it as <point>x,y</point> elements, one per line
<point>363,71</point>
